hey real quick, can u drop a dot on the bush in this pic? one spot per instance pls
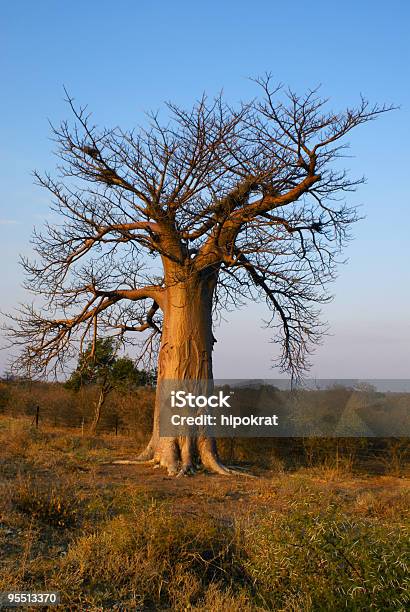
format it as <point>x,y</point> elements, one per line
<point>311,558</point>
<point>322,561</point>
<point>152,558</point>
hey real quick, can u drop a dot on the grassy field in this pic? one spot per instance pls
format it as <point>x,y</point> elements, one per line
<point>131,538</point>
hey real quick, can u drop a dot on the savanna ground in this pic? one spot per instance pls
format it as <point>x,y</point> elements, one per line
<point>111,536</point>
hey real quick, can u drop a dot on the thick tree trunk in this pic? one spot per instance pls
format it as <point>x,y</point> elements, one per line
<point>185,354</point>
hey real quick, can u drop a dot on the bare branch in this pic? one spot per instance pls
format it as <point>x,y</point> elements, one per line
<point>249,200</point>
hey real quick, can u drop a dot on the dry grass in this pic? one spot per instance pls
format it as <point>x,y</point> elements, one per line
<point>121,537</point>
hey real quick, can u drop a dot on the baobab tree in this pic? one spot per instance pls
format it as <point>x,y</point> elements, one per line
<point>163,227</point>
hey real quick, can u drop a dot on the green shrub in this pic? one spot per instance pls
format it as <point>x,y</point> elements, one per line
<point>325,561</point>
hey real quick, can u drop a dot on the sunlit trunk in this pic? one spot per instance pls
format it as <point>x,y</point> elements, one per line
<point>185,354</point>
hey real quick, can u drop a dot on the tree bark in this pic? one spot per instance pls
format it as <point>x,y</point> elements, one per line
<point>185,354</point>
<point>102,396</point>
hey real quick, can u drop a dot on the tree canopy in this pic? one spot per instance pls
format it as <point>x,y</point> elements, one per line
<point>100,365</point>
<point>253,194</point>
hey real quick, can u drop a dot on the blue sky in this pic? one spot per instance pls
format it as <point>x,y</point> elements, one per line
<point>124,57</point>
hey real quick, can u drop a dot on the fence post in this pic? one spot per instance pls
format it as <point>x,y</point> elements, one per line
<point>82,426</point>
<point>116,425</point>
<point>37,415</point>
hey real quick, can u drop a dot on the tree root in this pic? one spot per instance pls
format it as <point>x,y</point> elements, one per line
<point>132,462</point>
<point>178,458</point>
<point>187,470</point>
<point>147,454</point>
<point>224,470</point>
